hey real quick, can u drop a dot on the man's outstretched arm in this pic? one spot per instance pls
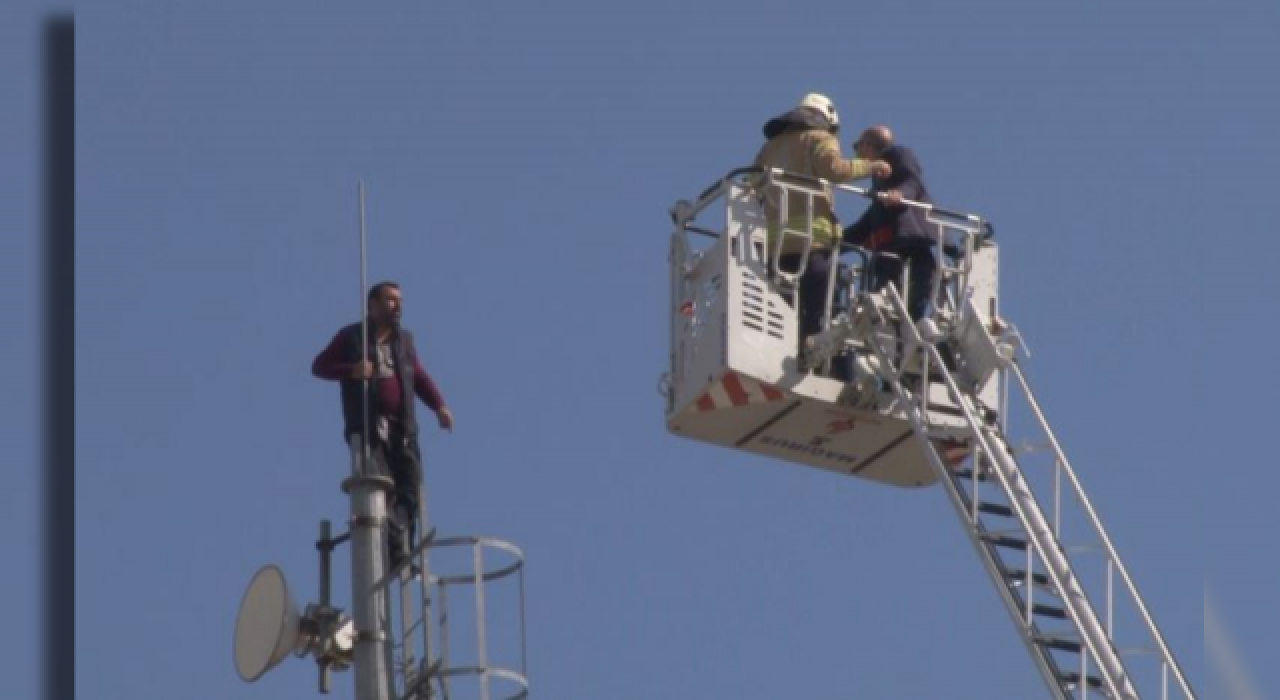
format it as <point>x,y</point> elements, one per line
<point>424,387</point>
<point>330,363</point>
<point>427,390</point>
<point>829,164</point>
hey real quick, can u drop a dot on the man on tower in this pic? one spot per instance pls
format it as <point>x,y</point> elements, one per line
<point>395,376</point>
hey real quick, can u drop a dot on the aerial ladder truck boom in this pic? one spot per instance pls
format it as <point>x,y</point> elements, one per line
<point>929,403</point>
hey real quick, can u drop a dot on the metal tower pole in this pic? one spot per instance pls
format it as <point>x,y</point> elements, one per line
<point>368,493</point>
<point>368,519</point>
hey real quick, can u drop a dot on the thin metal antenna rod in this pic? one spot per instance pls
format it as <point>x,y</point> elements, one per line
<point>364,338</point>
<point>368,494</point>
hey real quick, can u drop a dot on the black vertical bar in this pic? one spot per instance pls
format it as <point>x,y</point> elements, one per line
<point>325,545</point>
<point>59,354</point>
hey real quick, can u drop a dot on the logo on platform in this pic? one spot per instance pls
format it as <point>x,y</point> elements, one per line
<point>812,450</point>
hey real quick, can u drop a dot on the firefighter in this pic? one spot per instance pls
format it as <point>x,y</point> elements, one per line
<point>804,141</point>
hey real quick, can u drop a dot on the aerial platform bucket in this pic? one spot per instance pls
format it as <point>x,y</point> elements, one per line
<point>804,429</point>
<point>734,379</point>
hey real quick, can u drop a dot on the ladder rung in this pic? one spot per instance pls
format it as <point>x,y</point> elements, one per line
<point>1017,577</point>
<point>1049,611</point>
<point>968,474</point>
<point>1059,643</point>
<point>1004,541</point>
<point>996,509</point>
<point>1073,678</point>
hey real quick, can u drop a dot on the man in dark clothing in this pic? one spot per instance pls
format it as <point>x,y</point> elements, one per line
<point>395,376</point>
<point>888,226</point>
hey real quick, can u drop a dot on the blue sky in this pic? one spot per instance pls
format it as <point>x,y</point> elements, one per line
<point>19,281</point>
<point>520,159</point>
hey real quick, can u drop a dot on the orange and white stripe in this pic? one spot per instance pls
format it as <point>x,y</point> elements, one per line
<point>735,391</point>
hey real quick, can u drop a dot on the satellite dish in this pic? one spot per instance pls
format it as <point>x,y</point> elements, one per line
<point>267,627</point>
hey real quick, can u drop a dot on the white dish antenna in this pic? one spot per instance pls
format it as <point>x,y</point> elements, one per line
<point>267,627</point>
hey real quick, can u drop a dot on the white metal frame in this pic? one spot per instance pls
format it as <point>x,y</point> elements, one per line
<point>965,314</point>
<point>422,679</point>
<point>994,456</point>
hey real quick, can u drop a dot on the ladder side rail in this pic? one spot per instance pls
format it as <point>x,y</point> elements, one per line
<point>1058,567</point>
<point>1000,572</point>
<point>993,564</point>
<point>1077,602</point>
<point>1095,520</point>
<point>426,535</point>
<point>1044,663</point>
<point>482,643</point>
<point>444,637</point>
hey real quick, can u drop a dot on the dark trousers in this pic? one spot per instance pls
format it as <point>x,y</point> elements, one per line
<point>918,257</point>
<point>400,458</point>
<point>813,301</point>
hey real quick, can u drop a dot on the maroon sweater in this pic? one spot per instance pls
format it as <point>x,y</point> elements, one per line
<point>330,364</point>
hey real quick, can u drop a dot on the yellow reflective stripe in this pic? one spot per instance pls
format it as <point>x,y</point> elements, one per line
<point>822,232</point>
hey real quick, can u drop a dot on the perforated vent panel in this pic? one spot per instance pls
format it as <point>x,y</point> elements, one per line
<point>759,312</point>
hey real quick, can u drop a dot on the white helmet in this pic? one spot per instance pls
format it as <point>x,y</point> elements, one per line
<point>823,104</point>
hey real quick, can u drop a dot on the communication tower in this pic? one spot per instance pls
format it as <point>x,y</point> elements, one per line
<point>418,659</point>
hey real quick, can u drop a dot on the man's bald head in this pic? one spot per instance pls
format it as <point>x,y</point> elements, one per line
<point>875,140</point>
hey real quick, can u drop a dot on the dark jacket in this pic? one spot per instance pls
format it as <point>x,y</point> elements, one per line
<point>881,224</point>
<point>337,361</point>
